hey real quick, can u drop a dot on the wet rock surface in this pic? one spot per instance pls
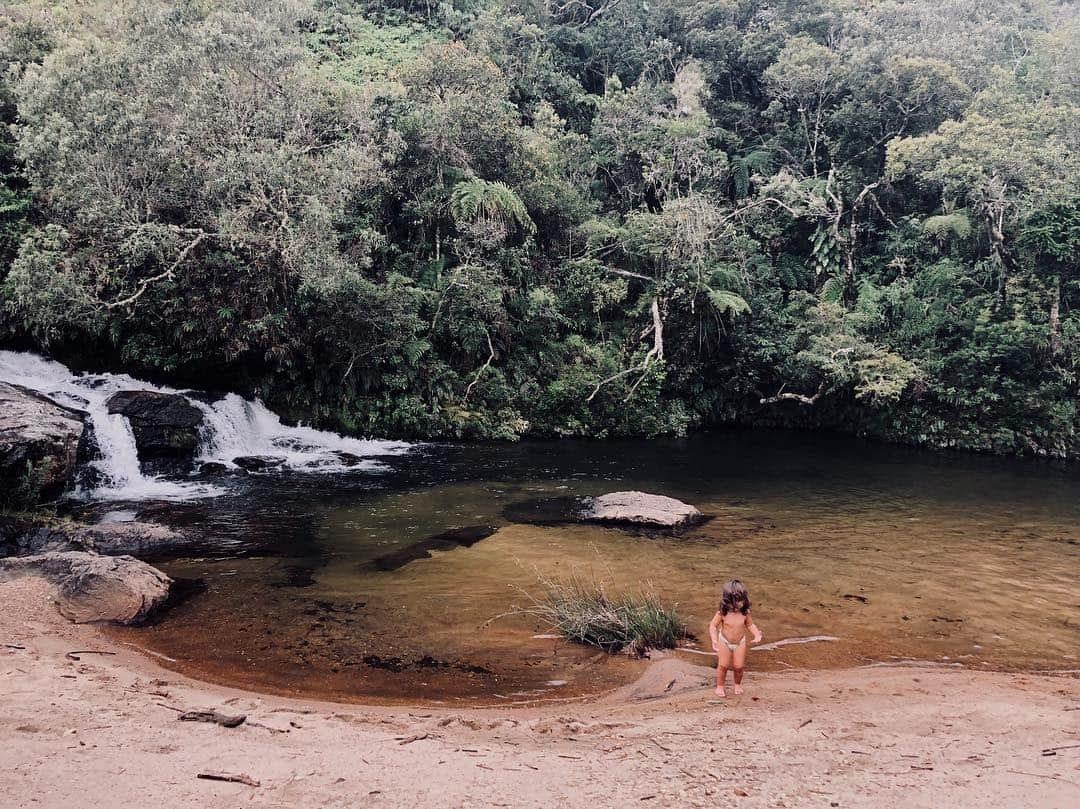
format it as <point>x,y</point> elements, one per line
<point>27,538</point>
<point>38,434</point>
<point>258,463</point>
<point>166,425</point>
<point>18,538</point>
<point>91,587</point>
<point>132,537</point>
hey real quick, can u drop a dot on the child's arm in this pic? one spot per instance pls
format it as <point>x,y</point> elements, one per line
<point>753,628</point>
<point>714,631</point>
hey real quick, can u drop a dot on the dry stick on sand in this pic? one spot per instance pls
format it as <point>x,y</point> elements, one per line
<point>213,716</point>
<point>74,655</point>
<point>1051,750</point>
<point>234,778</point>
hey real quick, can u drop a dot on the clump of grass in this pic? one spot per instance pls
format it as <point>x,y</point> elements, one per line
<point>583,611</point>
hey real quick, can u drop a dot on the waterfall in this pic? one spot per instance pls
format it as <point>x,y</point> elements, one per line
<point>235,426</point>
<point>232,427</point>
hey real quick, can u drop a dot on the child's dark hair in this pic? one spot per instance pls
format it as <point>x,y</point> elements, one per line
<point>734,598</point>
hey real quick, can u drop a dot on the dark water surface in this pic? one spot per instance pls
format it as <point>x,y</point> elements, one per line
<point>899,553</point>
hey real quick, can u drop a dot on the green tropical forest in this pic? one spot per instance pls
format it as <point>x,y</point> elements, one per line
<point>489,219</point>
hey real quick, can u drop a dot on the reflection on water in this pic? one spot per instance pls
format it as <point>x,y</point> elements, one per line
<point>899,553</point>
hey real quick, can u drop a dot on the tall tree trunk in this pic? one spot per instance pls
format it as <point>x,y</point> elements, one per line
<point>994,218</point>
<point>1055,317</point>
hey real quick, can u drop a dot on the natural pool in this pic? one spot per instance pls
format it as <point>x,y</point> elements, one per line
<point>899,553</point>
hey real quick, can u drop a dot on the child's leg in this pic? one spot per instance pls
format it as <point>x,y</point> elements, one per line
<point>723,663</point>
<point>738,664</point>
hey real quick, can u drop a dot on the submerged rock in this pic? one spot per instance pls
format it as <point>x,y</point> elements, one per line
<point>446,541</point>
<point>257,463</point>
<point>213,468</point>
<point>39,443</point>
<point>649,511</point>
<point>120,589</point>
<point>166,425</point>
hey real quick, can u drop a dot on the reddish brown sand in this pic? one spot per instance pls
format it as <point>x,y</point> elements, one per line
<point>102,731</point>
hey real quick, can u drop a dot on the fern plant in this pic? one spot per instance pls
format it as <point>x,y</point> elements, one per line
<point>759,161</point>
<point>478,200</point>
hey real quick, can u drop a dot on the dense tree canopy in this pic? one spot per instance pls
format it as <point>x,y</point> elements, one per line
<point>488,218</point>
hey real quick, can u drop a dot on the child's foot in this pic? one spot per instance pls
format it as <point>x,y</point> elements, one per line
<point>737,689</point>
<point>720,692</point>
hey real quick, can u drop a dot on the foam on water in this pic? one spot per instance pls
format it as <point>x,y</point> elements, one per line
<point>232,427</point>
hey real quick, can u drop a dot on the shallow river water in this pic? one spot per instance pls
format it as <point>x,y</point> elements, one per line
<point>899,554</point>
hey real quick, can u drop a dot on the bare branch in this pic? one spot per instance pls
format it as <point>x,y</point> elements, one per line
<point>629,274</point>
<point>654,353</point>
<point>481,370</point>
<point>794,397</point>
<point>167,273</point>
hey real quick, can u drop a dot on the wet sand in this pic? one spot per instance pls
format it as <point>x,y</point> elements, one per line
<point>102,731</point>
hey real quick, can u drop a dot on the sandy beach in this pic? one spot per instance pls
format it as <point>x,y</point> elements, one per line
<point>102,730</point>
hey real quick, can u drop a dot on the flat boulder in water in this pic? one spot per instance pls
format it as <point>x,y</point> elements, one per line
<point>639,508</point>
<point>37,436</point>
<point>118,589</point>
<point>634,509</point>
<point>165,425</point>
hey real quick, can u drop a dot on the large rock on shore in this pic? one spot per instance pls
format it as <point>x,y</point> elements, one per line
<point>166,425</point>
<point>39,444</point>
<point>119,589</point>
<point>639,508</point>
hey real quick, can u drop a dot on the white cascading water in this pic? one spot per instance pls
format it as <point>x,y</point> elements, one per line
<point>232,427</point>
